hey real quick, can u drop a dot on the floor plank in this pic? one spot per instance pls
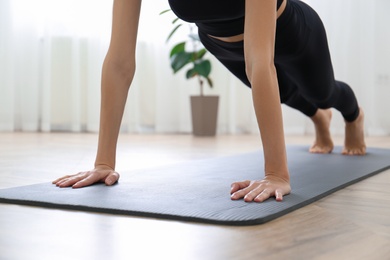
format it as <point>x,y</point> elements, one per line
<point>353,223</point>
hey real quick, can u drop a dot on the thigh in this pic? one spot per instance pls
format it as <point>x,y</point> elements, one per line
<point>307,60</point>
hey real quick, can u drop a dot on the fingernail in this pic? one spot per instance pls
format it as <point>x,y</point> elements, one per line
<point>109,181</point>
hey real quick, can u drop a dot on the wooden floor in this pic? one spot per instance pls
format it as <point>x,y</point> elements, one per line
<point>353,223</point>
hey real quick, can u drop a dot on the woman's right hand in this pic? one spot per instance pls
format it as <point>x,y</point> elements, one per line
<point>99,174</point>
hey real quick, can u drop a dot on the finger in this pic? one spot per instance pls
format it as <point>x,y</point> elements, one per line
<point>251,195</point>
<point>89,180</point>
<point>70,181</point>
<point>243,192</point>
<point>60,179</point>
<point>279,195</point>
<point>239,185</point>
<point>264,195</point>
<point>64,180</point>
<point>112,178</point>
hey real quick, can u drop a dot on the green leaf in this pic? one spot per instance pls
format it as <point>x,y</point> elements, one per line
<point>191,73</point>
<point>201,53</point>
<point>173,31</point>
<point>210,82</point>
<point>165,11</point>
<point>175,20</point>
<point>203,68</point>
<point>180,47</point>
<point>179,60</point>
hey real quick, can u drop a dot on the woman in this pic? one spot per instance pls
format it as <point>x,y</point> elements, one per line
<point>278,48</point>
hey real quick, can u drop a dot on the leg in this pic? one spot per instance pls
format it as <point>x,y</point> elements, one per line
<point>323,142</point>
<point>321,118</point>
<point>309,65</point>
<point>354,136</point>
<point>231,55</point>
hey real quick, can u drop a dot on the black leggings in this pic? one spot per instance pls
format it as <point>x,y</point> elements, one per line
<point>302,60</point>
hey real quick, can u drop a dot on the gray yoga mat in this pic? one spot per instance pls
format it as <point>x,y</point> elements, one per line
<point>199,190</point>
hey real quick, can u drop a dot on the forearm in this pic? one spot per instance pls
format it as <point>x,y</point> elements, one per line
<point>268,110</point>
<point>114,89</point>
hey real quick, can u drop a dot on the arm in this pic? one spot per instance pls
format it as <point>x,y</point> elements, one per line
<point>259,42</point>
<point>117,75</point>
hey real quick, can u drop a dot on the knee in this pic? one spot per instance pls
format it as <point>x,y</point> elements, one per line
<point>287,93</point>
<point>323,96</point>
<point>287,97</point>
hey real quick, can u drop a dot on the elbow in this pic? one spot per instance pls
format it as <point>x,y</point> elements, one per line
<point>259,68</point>
<point>120,70</point>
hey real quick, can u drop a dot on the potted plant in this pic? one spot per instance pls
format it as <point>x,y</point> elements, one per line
<point>190,54</point>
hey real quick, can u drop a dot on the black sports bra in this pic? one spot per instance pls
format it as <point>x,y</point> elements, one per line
<point>221,18</point>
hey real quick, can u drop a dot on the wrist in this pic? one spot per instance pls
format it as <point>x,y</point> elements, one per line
<point>279,172</point>
<point>104,166</point>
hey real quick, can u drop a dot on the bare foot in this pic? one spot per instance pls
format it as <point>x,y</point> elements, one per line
<point>354,136</point>
<point>323,142</point>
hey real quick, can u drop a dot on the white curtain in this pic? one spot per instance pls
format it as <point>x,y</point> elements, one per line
<point>51,52</point>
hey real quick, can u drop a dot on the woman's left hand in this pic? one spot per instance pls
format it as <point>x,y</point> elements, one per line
<point>259,191</point>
